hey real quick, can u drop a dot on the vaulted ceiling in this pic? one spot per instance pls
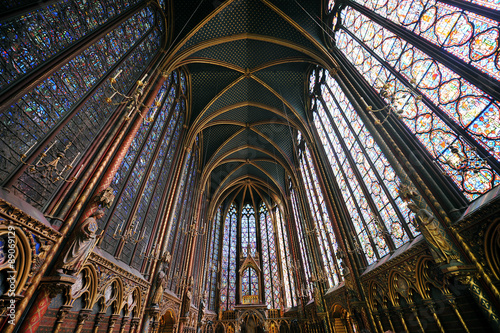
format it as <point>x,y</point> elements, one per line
<point>248,62</point>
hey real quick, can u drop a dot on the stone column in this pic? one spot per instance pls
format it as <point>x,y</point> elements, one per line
<point>82,317</point>
<point>61,315</point>
<point>98,318</point>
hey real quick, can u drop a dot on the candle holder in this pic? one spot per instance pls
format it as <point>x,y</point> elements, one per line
<point>393,98</point>
<point>191,231</point>
<point>131,234</point>
<point>52,170</point>
<point>134,99</point>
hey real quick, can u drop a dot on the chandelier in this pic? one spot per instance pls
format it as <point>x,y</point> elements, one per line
<point>134,100</point>
<point>53,170</point>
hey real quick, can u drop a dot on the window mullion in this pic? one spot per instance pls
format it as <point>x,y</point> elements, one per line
<point>349,188</point>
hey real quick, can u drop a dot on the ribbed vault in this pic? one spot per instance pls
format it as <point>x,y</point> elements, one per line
<point>247,61</point>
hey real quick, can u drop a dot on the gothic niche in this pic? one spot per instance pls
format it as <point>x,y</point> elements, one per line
<point>250,280</point>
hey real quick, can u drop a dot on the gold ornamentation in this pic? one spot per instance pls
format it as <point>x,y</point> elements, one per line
<point>105,198</point>
<point>13,213</point>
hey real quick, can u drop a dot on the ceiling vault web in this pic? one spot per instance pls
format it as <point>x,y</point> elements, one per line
<point>248,63</point>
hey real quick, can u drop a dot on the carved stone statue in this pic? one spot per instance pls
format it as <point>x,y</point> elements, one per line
<point>106,197</point>
<point>440,246</point>
<point>186,304</point>
<point>160,285</point>
<point>81,245</point>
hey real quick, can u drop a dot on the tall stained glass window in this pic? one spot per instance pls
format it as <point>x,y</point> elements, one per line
<point>322,224</point>
<point>246,227</point>
<point>269,259</point>
<point>181,221</point>
<point>286,260</point>
<point>368,183</point>
<point>49,30</point>
<point>248,231</point>
<point>155,143</point>
<point>214,259</point>
<point>449,53</point>
<point>302,241</point>
<point>61,97</point>
<point>228,261</point>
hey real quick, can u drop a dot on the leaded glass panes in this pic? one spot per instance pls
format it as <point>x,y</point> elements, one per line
<point>140,164</point>
<point>228,266</point>
<point>269,259</point>
<point>286,261</point>
<point>471,37</point>
<point>451,104</point>
<point>301,238</point>
<point>182,224</point>
<point>248,231</point>
<point>31,39</point>
<point>214,259</point>
<point>322,224</point>
<point>55,98</point>
<point>368,183</point>
<point>249,282</point>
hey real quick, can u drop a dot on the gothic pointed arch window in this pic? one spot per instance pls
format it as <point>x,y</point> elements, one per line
<point>227,298</point>
<point>248,231</point>
<point>269,259</point>
<point>366,180</point>
<point>322,227</point>
<point>250,239</point>
<point>60,109</point>
<point>449,55</point>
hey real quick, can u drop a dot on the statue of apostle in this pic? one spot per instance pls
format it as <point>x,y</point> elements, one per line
<point>82,243</point>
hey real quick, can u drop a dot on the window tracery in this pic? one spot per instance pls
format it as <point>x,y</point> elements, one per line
<point>456,122</point>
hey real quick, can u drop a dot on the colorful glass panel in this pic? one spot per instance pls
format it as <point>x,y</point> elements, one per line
<point>302,241</point>
<point>322,224</point>
<point>454,97</point>
<point>269,259</point>
<point>33,38</point>
<point>228,271</point>
<point>470,37</point>
<point>286,261</point>
<point>248,231</point>
<point>53,100</point>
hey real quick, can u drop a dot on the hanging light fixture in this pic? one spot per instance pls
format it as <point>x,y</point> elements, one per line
<point>134,99</point>
<point>53,170</point>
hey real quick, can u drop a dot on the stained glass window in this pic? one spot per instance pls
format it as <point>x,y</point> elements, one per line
<point>269,259</point>
<point>456,122</point>
<point>228,262</point>
<point>470,37</point>
<point>31,39</point>
<point>286,260</point>
<point>302,241</point>
<point>249,282</point>
<point>182,221</point>
<point>248,231</point>
<point>367,181</point>
<point>214,259</point>
<point>322,224</point>
<point>59,98</point>
<point>152,144</point>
